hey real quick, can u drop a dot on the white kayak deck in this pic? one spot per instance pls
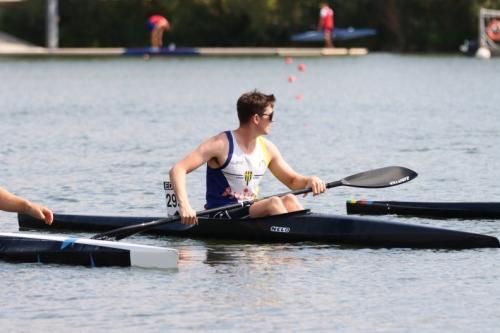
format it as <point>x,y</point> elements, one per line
<point>145,256</point>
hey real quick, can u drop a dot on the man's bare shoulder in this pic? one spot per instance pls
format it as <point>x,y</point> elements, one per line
<point>215,149</point>
<point>216,143</point>
<point>218,140</point>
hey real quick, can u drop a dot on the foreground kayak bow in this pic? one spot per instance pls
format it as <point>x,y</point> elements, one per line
<point>48,249</point>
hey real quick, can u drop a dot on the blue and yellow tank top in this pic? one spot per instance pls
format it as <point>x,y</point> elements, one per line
<point>238,179</point>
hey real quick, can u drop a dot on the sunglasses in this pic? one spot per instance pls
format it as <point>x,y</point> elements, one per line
<point>270,115</point>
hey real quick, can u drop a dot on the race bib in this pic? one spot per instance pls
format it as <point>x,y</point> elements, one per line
<point>170,199</point>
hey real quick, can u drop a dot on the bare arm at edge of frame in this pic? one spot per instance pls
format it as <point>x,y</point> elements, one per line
<point>12,203</point>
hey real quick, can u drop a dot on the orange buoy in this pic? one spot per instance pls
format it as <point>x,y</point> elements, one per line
<point>288,60</point>
<point>301,67</point>
<point>493,30</point>
<point>292,79</point>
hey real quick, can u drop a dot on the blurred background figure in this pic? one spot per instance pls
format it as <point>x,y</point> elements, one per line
<point>326,23</point>
<point>11,203</point>
<point>157,25</point>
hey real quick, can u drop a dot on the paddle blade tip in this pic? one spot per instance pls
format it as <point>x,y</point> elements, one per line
<point>382,177</point>
<point>405,175</point>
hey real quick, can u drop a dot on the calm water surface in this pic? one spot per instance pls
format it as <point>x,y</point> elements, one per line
<point>98,137</point>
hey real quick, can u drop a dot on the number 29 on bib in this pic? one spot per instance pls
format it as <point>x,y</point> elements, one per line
<point>170,199</point>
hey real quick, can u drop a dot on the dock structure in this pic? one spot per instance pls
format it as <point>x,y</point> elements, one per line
<point>12,45</point>
<point>28,50</point>
<point>15,47</point>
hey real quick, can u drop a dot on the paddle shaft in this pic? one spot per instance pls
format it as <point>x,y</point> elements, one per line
<point>377,178</point>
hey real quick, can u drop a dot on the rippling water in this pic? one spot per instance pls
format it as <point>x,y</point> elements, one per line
<point>98,137</point>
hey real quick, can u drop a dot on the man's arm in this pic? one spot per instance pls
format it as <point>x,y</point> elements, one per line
<point>209,149</point>
<point>12,203</point>
<point>285,173</point>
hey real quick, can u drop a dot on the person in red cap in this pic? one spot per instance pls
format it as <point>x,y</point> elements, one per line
<point>326,23</point>
<point>157,25</point>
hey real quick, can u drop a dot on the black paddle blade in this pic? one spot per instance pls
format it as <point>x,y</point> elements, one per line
<point>383,177</point>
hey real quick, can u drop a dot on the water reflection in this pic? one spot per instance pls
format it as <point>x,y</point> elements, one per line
<point>262,255</point>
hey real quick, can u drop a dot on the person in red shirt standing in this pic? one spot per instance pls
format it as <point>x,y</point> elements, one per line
<point>326,23</point>
<point>157,25</point>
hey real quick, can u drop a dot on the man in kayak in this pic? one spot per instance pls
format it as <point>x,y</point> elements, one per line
<point>236,162</point>
<point>11,203</point>
<point>157,25</point>
<point>325,23</point>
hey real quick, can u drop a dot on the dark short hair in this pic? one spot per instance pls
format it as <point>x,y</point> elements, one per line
<point>253,102</point>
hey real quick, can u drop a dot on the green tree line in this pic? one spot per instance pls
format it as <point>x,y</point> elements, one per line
<point>402,25</point>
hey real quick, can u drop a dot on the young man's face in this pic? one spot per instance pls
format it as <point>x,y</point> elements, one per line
<point>265,119</point>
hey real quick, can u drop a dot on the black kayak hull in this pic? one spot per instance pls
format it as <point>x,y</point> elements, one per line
<point>301,226</point>
<point>466,210</point>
